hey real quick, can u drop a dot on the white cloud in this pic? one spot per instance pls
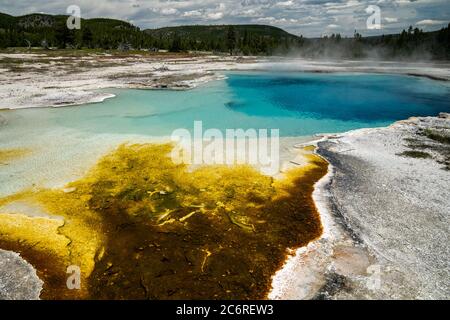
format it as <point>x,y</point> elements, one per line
<point>192,13</point>
<point>285,3</point>
<point>387,19</point>
<point>247,13</point>
<point>279,21</point>
<point>306,17</point>
<point>168,11</point>
<point>429,22</point>
<point>266,19</point>
<point>214,15</point>
<point>342,5</point>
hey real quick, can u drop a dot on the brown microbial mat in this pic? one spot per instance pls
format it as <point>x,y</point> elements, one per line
<point>141,227</point>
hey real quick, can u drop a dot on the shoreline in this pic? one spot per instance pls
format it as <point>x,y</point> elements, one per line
<point>312,261</point>
<point>66,81</point>
<point>282,281</point>
<point>361,257</point>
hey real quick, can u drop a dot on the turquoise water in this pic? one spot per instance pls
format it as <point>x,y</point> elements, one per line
<point>298,104</point>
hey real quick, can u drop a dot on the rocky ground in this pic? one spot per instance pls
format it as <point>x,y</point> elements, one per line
<point>385,207</point>
<point>45,80</point>
<point>18,279</point>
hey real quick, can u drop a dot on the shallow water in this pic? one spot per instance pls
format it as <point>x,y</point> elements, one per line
<point>298,104</point>
<point>62,143</point>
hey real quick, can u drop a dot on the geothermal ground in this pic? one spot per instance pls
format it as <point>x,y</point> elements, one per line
<point>385,209</point>
<point>384,204</point>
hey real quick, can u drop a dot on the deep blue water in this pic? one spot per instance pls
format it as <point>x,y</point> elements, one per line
<point>298,104</point>
<point>362,98</point>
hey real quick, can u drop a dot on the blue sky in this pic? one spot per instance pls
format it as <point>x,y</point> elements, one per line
<point>307,17</point>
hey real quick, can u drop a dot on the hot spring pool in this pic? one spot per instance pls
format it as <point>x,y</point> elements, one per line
<point>299,104</point>
<point>61,144</point>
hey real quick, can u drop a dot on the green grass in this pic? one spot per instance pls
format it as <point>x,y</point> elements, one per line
<point>85,51</point>
<point>437,136</point>
<point>415,154</point>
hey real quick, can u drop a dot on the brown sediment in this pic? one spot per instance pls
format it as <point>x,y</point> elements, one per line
<point>141,227</point>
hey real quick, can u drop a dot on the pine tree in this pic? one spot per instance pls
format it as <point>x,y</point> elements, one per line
<point>87,37</point>
<point>176,44</point>
<point>63,35</point>
<point>231,39</point>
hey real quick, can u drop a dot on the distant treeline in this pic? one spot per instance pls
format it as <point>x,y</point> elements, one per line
<point>235,39</point>
<point>412,43</point>
<point>50,31</point>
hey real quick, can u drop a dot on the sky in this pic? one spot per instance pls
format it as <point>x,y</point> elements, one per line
<point>310,18</point>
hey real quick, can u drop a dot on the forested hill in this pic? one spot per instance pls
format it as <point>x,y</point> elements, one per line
<point>51,31</point>
<point>48,31</point>
<point>243,39</point>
